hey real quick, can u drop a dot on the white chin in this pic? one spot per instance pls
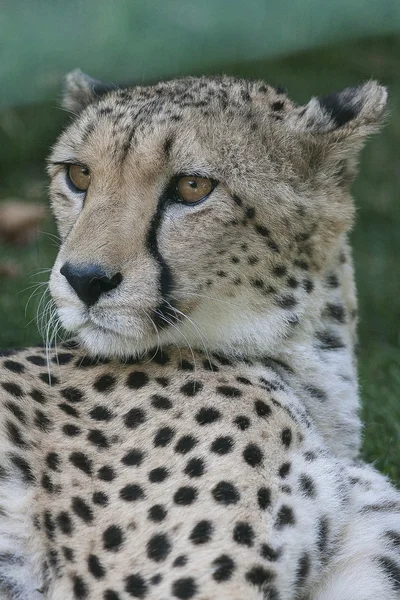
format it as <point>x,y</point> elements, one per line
<point>105,342</point>
<point>101,342</point>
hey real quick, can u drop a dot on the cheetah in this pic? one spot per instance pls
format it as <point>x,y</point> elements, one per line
<point>198,436</point>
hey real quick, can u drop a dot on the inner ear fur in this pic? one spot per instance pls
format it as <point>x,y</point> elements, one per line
<point>80,90</point>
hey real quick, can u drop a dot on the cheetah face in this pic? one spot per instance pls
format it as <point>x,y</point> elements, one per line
<point>200,211</point>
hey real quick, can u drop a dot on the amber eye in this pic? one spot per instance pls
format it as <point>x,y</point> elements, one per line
<point>191,189</point>
<point>79,176</point>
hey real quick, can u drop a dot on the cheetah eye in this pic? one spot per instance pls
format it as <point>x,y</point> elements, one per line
<point>191,189</point>
<point>79,177</point>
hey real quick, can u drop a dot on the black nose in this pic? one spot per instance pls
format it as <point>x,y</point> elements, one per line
<point>89,281</point>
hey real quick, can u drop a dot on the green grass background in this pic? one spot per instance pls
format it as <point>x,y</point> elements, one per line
<point>27,133</point>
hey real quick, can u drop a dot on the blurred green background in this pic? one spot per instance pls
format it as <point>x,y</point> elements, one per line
<point>28,130</point>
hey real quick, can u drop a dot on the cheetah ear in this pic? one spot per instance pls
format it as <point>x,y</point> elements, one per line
<point>355,109</point>
<point>80,90</point>
<point>335,127</point>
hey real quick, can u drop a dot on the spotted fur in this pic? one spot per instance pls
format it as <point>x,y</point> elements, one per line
<point>200,439</point>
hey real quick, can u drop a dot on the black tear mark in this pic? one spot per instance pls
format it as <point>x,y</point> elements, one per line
<point>164,312</point>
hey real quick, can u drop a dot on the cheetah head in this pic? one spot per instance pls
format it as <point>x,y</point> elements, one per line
<point>199,211</point>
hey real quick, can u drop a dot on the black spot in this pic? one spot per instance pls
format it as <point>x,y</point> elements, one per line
<point>64,523</point>
<point>158,547</point>
<point>391,569</point>
<point>82,509</point>
<point>131,493</point>
<point>163,381</point>
<point>38,396</point>
<point>42,421</point>
<point>14,435</point>
<point>53,461</point>
<point>49,525</point>
<point>101,413</point>
<point>97,437</point>
<point>284,517</point>
<point>136,586</point>
<point>24,467</point>
<point>308,285</point>
<point>185,444</point>
<point>262,409</point>
<point>112,538</point>
<point>36,360</point>
<point>207,415</point>
<point>72,394</point>
<point>95,567</point>
<point>229,391</point>
<point>134,418</point>
<point>184,588</point>
<point>105,383</point>
<point>286,301</point>
<point>253,455</point>
<point>48,378</point>
<point>106,473</point>
<point>303,569</point>
<point>332,281</point>
<point>223,568</point>
<point>100,498</point>
<point>394,538</point>
<point>158,474</point>
<point>242,422</point>
<point>16,411</point>
<point>160,357</point>
<point>237,200</point>
<point>80,588</point>
<point>185,495</point>
<point>202,532</point>
<point>185,365</point>
<point>156,579</point>
<point>284,470</point>
<point>316,392</point>
<point>278,105</point>
<point>168,145</point>
<point>307,486</point>
<point>157,513</point>
<point>336,312</point>
<point>111,595</point>
<point>195,467</point>
<point>250,212</point>
<point>161,402</point>
<point>264,498</point>
<point>81,461</point>
<point>14,366</point>
<point>68,554</point>
<point>225,493</point>
<point>260,229</point>
<point>191,388</point>
<point>279,270</point>
<point>63,358</point>
<point>68,409</point>
<point>180,561</point>
<point>328,340</point>
<point>243,534</point>
<point>13,389</point>
<point>71,430</point>
<point>286,437</point>
<point>133,458</point>
<point>136,380</point>
<point>222,445</point>
<point>259,576</point>
<point>163,437</point>
<point>269,553</point>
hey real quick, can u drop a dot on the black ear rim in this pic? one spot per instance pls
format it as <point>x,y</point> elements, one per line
<point>340,111</point>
